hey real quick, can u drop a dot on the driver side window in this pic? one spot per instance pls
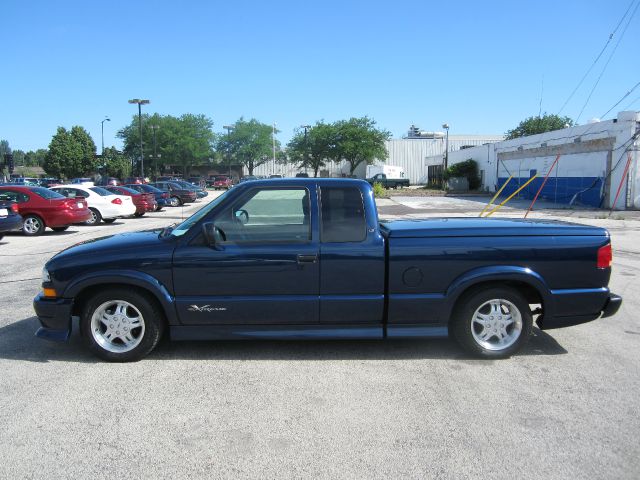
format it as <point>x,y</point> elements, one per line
<point>269,215</point>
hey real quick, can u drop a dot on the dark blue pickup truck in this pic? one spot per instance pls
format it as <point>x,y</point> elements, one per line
<point>308,259</point>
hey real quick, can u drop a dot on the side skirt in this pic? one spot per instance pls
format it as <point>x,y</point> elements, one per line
<point>304,332</point>
<point>275,332</point>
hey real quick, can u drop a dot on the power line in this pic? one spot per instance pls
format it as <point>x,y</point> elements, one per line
<point>608,60</point>
<point>623,97</point>
<point>632,102</point>
<point>597,58</point>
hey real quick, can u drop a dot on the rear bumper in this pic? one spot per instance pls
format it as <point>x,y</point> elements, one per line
<point>612,306</point>
<point>607,304</point>
<point>68,217</point>
<point>10,222</point>
<point>54,317</point>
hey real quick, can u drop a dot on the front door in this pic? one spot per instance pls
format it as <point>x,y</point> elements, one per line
<point>264,268</point>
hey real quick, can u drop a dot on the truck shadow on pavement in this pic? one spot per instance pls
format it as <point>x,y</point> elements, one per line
<point>17,342</point>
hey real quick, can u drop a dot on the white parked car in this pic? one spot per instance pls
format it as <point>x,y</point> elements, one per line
<point>103,204</point>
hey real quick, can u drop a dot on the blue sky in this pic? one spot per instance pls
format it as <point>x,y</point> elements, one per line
<point>480,66</point>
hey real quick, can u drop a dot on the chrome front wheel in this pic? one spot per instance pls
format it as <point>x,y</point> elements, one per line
<point>122,325</point>
<point>117,326</point>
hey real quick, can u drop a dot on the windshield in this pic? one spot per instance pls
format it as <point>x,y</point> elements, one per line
<point>184,227</point>
<point>46,193</point>
<point>101,191</point>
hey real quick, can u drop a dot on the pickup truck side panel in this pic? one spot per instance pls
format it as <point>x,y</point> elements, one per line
<point>428,274</point>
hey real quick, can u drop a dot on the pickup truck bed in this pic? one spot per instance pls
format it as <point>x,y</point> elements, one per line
<point>307,258</point>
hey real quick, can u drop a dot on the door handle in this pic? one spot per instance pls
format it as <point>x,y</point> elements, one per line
<point>307,259</point>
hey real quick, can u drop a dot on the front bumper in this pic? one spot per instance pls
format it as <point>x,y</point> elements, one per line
<point>54,316</point>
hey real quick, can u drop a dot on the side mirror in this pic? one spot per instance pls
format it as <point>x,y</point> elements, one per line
<point>242,216</point>
<point>212,234</point>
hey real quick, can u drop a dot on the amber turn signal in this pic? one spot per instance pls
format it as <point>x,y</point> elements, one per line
<point>49,293</point>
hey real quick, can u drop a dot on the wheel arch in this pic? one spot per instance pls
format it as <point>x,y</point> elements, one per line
<point>524,280</point>
<point>82,289</point>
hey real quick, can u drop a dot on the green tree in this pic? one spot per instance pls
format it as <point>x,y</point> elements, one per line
<point>535,125</point>
<point>249,143</point>
<point>87,164</point>
<point>315,148</point>
<point>4,149</point>
<point>71,154</point>
<point>115,163</point>
<point>61,148</point>
<point>359,141</point>
<point>184,141</point>
<point>19,158</point>
<point>35,159</point>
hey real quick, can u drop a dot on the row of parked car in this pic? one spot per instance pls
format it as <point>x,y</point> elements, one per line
<point>35,208</point>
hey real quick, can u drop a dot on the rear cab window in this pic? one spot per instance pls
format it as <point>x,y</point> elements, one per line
<point>342,215</point>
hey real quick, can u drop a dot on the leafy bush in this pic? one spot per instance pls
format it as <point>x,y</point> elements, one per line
<point>379,191</point>
<point>467,169</point>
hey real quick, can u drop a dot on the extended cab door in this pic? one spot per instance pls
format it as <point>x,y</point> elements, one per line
<point>264,268</point>
<point>352,256</point>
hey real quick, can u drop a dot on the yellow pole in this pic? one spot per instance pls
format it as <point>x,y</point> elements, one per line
<point>511,196</point>
<point>495,196</point>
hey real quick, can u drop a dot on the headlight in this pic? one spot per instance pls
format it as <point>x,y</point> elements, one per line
<point>45,275</point>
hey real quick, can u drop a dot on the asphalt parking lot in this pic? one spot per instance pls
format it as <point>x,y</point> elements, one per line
<point>566,407</point>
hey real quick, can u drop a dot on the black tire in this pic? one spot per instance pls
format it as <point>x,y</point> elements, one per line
<point>95,217</point>
<point>60,229</point>
<point>174,202</point>
<point>32,225</point>
<point>138,215</point>
<point>133,306</point>
<point>492,323</point>
<point>108,220</point>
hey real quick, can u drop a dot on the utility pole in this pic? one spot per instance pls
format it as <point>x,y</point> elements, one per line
<point>140,103</point>
<point>106,119</point>
<point>228,128</point>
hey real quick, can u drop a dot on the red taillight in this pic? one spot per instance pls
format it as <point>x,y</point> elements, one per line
<point>117,201</point>
<point>165,195</point>
<point>14,207</point>
<point>605,256</point>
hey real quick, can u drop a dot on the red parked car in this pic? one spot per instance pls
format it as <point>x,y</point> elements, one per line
<point>221,181</point>
<point>144,202</point>
<point>41,208</point>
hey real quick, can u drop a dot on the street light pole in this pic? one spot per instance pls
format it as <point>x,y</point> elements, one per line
<point>140,103</point>
<point>228,128</point>
<point>446,152</point>
<point>306,146</point>
<point>106,119</point>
